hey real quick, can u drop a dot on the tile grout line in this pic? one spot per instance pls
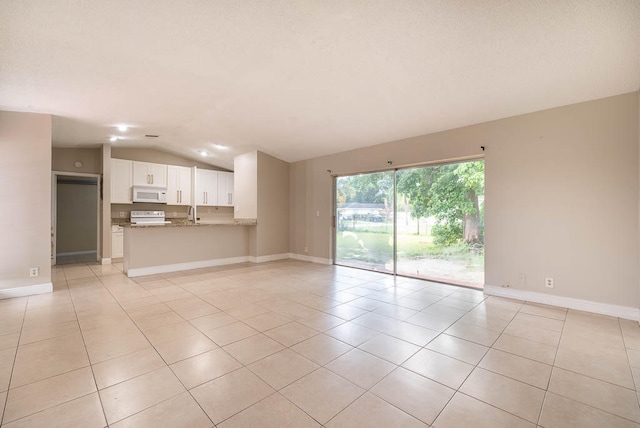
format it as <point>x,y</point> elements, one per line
<point>95,382</point>
<point>16,354</point>
<point>154,348</point>
<point>626,349</point>
<point>457,390</point>
<point>242,365</point>
<point>399,366</point>
<point>378,332</point>
<point>13,365</point>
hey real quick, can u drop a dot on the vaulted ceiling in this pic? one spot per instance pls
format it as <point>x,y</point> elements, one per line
<point>303,78</point>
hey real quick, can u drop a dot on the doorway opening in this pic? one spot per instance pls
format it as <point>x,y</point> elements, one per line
<point>424,222</point>
<point>75,218</point>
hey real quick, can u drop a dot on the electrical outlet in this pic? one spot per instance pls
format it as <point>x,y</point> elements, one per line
<point>34,272</point>
<point>548,282</point>
<point>522,278</point>
<point>317,213</point>
<point>306,249</point>
<point>505,285</point>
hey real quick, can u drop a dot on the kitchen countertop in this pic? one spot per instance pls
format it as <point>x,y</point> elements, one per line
<point>184,223</point>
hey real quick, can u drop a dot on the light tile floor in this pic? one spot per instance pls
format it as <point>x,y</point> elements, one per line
<point>293,344</point>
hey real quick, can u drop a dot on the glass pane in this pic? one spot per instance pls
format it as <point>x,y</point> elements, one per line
<point>364,221</point>
<point>441,223</point>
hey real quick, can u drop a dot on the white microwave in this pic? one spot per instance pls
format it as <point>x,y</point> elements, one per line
<point>154,195</point>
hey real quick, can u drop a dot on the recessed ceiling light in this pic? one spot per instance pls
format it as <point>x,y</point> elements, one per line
<point>220,146</point>
<point>202,153</point>
<point>112,139</point>
<point>122,128</point>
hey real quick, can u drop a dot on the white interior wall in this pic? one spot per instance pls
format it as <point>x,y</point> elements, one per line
<point>561,196</point>
<point>562,201</point>
<point>245,185</point>
<point>25,189</point>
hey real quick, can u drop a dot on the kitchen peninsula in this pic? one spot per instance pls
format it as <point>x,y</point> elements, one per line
<point>174,247</point>
<point>245,218</point>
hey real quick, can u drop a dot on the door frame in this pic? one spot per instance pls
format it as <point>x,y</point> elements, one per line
<point>395,169</point>
<point>54,210</point>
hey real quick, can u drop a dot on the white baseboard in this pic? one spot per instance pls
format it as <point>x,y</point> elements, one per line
<point>269,258</point>
<point>105,261</point>
<point>152,270</point>
<point>76,253</point>
<point>312,259</point>
<point>626,312</point>
<point>28,290</point>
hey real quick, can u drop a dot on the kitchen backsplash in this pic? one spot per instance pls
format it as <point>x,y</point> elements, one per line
<point>171,211</point>
<point>215,213</point>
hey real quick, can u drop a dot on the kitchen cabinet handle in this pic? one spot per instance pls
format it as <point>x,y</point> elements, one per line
<point>148,179</point>
<point>229,199</point>
<point>151,178</point>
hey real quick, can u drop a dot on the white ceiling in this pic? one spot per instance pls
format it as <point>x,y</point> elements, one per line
<point>303,78</point>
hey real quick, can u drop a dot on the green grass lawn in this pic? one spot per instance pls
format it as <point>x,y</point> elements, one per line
<point>375,245</point>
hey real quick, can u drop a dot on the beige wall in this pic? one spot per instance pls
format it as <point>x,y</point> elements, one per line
<point>245,185</point>
<point>157,156</point>
<point>25,188</point>
<point>159,246</point>
<point>562,195</point>
<point>105,208</point>
<point>562,201</point>
<point>298,187</point>
<point>64,159</point>
<point>76,221</point>
<point>272,232</point>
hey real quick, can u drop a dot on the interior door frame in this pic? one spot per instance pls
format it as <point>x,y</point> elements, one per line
<point>54,210</point>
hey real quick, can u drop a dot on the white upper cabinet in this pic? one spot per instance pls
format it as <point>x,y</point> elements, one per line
<point>121,181</point>
<point>206,187</point>
<point>178,185</point>
<point>225,189</point>
<point>149,174</point>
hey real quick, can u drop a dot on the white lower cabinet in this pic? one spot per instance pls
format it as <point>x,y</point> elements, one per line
<point>117,242</point>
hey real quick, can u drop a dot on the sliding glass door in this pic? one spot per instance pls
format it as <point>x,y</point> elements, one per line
<point>433,230</point>
<point>364,221</point>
